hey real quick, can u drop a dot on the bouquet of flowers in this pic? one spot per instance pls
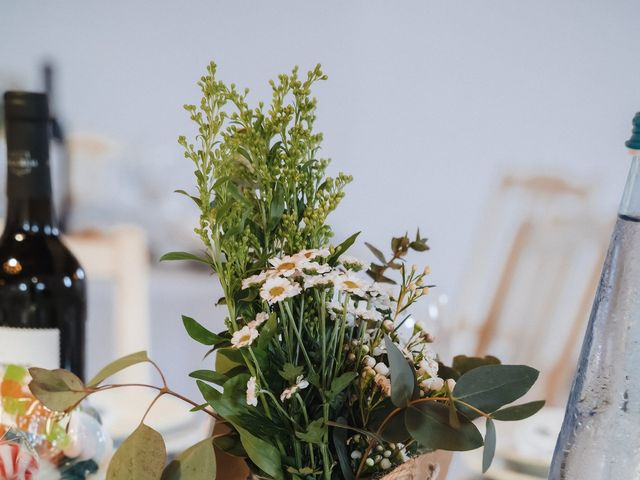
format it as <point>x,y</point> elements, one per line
<point>321,373</point>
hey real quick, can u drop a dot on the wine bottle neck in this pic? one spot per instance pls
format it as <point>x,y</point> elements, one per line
<point>29,199</point>
<point>31,215</point>
<point>630,204</point>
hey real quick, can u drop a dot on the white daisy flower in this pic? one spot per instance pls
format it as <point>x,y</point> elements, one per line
<point>367,314</point>
<point>335,309</point>
<point>300,384</point>
<point>311,268</point>
<point>259,320</point>
<point>252,398</point>
<point>254,280</point>
<point>312,253</point>
<point>349,282</point>
<point>352,263</point>
<point>316,280</point>
<point>451,384</point>
<point>435,383</point>
<point>244,337</point>
<point>277,289</point>
<point>287,265</point>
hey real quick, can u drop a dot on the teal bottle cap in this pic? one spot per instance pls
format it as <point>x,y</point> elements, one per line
<point>634,142</point>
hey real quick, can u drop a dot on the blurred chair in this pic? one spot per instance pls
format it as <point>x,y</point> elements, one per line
<point>121,257</point>
<point>528,292</point>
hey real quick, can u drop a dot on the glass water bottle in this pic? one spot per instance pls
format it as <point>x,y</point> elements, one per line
<point>600,436</point>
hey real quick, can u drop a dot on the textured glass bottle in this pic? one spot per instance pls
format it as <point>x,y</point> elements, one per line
<point>600,436</point>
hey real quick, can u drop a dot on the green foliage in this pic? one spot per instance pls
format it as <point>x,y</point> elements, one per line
<point>198,462</point>
<point>402,377</point>
<point>118,365</point>
<point>201,334</point>
<point>141,456</point>
<point>463,364</point>
<point>261,187</point>
<point>518,412</point>
<point>58,390</point>
<point>428,423</point>
<point>489,445</point>
<point>172,256</point>
<point>400,246</point>
<point>490,387</point>
<point>262,453</point>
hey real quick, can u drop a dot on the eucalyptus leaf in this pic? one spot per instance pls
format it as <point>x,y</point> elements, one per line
<point>59,390</point>
<point>518,412</point>
<point>489,445</point>
<point>462,364</point>
<point>376,252</point>
<point>395,431</point>
<point>118,365</point>
<point>171,256</point>
<point>402,375</point>
<point>428,423</point>
<point>198,462</point>
<point>490,387</point>
<point>141,456</point>
<point>419,246</point>
<point>263,453</point>
<point>201,334</point>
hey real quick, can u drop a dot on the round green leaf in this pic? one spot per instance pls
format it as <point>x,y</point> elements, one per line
<point>518,412</point>
<point>196,463</point>
<point>116,366</point>
<point>428,423</point>
<point>490,387</point>
<point>141,456</point>
<point>489,445</point>
<point>402,375</point>
<point>59,390</point>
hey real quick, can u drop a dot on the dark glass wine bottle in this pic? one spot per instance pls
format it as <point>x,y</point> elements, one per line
<point>42,285</point>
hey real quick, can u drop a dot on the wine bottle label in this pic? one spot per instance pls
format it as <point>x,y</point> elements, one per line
<point>21,163</point>
<point>31,347</point>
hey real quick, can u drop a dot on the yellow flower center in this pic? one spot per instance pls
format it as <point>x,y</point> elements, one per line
<point>245,338</point>
<point>275,291</point>
<point>351,284</point>
<point>286,266</point>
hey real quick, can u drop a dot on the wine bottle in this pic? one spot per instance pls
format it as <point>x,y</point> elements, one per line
<point>599,437</point>
<point>59,154</point>
<point>42,285</point>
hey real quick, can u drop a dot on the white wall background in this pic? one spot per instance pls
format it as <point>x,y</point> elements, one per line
<point>427,103</point>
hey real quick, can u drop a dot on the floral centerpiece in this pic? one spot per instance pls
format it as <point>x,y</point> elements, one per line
<point>320,372</point>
